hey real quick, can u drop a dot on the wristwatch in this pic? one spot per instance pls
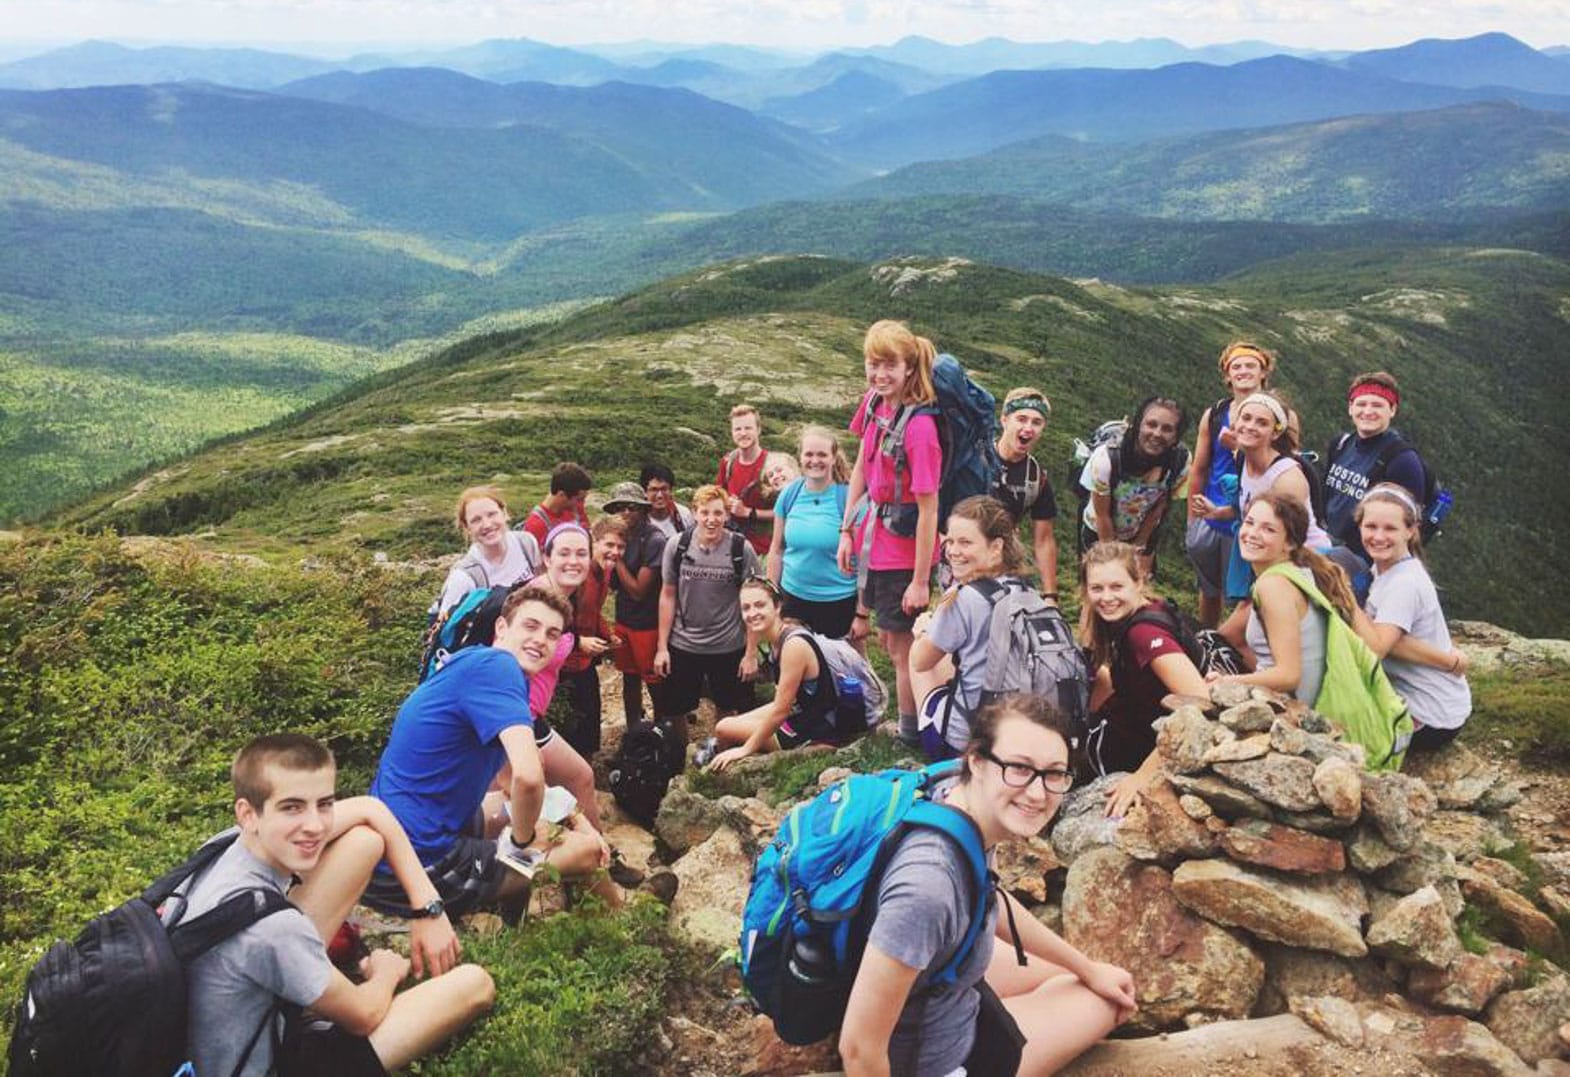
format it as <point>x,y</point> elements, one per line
<point>430,910</point>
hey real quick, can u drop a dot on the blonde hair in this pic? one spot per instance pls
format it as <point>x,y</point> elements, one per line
<point>1267,359</point>
<point>784,460</point>
<point>839,470</point>
<point>709,492</point>
<point>472,494</point>
<point>608,525</point>
<point>1411,515</point>
<point>1094,632</point>
<point>1026,392</point>
<point>891,340</point>
<point>743,409</point>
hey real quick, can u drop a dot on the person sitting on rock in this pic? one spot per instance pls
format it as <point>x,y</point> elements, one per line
<point>1138,661</point>
<point>701,637</point>
<point>295,836</point>
<point>1021,978</point>
<point>984,554</point>
<point>455,733</point>
<point>800,714</point>
<point>1410,633</point>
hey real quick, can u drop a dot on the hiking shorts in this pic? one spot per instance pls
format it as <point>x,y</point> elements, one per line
<point>883,593</point>
<point>466,877</point>
<point>636,655</point>
<point>691,672</point>
<point>1209,550</point>
<point>830,619</point>
<point>802,729</point>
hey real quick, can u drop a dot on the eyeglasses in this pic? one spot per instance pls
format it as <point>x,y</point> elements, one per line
<point>1020,775</point>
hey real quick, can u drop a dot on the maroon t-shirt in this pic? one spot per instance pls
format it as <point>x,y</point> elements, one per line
<point>1136,695</point>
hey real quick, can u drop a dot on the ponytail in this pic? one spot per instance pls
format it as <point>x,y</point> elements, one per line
<point>1330,578</point>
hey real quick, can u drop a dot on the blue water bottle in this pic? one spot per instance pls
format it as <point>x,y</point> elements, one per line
<point>850,709</point>
<point>1439,510</point>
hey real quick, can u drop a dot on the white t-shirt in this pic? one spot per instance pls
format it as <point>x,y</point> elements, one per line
<point>1404,596</point>
<point>521,564</point>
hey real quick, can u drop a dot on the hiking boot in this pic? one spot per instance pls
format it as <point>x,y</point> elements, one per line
<point>662,883</point>
<point>706,752</point>
<point>624,874</point>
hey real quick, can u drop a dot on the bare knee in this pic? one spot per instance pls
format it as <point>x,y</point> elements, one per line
<point>479,990</point>
<point>361,842</point>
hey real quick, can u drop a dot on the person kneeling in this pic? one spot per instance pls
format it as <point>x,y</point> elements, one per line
<point>826,693</point>
<point>455,733</point>
<point>291,826</point>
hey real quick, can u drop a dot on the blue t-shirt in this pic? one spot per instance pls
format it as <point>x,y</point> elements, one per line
<point>812,536</point>
<point>444,750</point>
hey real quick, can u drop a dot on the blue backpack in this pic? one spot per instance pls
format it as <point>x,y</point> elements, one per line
<point>470,623</point>
<point>968,431</point>
<point>805,923</point>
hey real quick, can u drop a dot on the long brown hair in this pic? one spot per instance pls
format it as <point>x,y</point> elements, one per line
<point>984,725</point>
<point>1094,632</point>
<point>1328,576</point>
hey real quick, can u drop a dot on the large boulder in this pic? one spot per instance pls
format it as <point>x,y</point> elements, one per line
<point>1528,1021</point>
<point>714,877</point>
<point>1334,1017</point>
<point>685,819</point>
<point>1320,914</point>
<point>1292,973</point>
<point>1339,785</point>
<point>1223,797</point>
<point>1416,930</point>
<point>1426,865</point>
<point>1082,822</point>
<point>1270,845</point>
<point>1398,805</point>
<point>1456,1047</point>
<point>1463,834</point>
<point>1023,866</point>
<point>1525,924</point>
<point>1119,910</point>
<point>1286,781</point>
<point>1467,986</point>
<point>1157,828</point>
<point>1184,736</point>
<point>1368,852</point>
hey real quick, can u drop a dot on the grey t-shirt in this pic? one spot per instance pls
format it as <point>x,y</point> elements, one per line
<point>234,984</point>
<point>961,628</point>
<point>924,907</point>
<point>1404,596</point>
<point>1311,642</point>
<point>644,547</point>
<point>708,595</point>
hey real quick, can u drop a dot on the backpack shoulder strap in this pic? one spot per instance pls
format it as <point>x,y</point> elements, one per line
<point>738,556</point>
<point>165,886</point>
<point>990,588</point>
<point>827,695</point>
<point>474,568</point>
<point>1176,468</point>
<point>962,832</point>
<point>683,545</point>
<point>787,498</point>
<point>229,917</point>
<point>1392,448</point>
<point>727,464</point>
<point>1114,463</point>
<point>842,497</point>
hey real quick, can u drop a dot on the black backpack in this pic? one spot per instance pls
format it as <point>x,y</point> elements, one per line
<point>651,754</point>
<point>113,1003</point>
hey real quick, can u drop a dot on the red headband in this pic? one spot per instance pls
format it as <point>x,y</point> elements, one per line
<point>1373,388</point>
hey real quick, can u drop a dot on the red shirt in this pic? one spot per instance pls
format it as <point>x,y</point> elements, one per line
<point>540,520</point>
<point>746,482</point>
<point>589,620</point>
<point>1137,694</point>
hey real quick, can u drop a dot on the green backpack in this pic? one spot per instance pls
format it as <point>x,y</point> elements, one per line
<point>1355,691</point>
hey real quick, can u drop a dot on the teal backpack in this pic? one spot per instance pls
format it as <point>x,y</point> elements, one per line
<point>805,923</point>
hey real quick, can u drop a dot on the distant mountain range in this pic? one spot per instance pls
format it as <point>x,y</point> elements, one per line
<point>1435,164</point>
<point>1485,60</point>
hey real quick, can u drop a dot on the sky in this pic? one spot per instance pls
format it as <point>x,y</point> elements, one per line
<point>339,27</point>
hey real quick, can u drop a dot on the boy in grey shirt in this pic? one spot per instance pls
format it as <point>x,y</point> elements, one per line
<point>292,828</point>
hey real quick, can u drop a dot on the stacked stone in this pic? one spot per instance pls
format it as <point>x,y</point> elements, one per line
<point>1264,867</point>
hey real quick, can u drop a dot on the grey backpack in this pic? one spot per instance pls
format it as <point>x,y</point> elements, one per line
<point>1031,649</point>
<point>849,694</point>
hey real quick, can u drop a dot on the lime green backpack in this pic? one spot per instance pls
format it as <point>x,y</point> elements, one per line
<point>1355,693</point>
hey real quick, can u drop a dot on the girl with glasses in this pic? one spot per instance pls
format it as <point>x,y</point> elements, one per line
<point>1138,660</point>
<point>1027,1006</point>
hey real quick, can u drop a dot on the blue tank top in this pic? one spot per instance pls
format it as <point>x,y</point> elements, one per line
<point>1222,462</point>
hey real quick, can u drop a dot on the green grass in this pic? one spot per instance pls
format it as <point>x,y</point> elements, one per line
<point>1530,714</point>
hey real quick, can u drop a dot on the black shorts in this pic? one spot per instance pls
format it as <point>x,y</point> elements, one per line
<point>830,619</point>
<point>803,728</point>
<point>689,675</point>
<point>311,1047</point>
<point>883,594</point>
<point>466,877</point>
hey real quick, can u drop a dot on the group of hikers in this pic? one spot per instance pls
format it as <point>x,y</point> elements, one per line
<point>777,571</point>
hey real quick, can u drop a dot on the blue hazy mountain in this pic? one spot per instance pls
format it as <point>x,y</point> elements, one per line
<point>1466,158</point>
<point>1002,54</point>
<point>981,114</point>
<point>502,60</point>
<point>848,98</point>
<point>728,154</point>
<point>1485,60</point>
<point>103,63</point>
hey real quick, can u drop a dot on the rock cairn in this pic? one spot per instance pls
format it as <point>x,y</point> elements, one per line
<point>1265,871</point>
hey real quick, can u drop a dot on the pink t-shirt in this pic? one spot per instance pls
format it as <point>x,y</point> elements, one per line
<point>542,686</point>
<point>924,455</point>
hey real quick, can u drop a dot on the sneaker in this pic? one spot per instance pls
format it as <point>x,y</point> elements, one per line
<point>706,752</point>
<point>624,874</point>
<point>662,884</point>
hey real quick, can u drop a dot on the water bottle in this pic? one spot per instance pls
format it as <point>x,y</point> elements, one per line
<point>811,961</point>
<point>1439,510</point>
<point>851,708</point>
